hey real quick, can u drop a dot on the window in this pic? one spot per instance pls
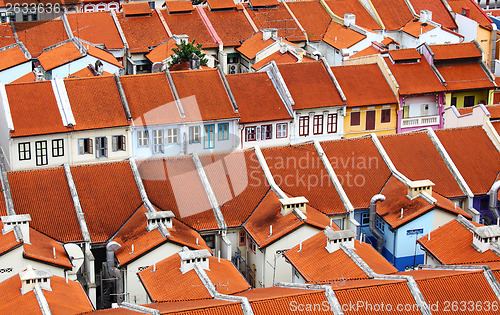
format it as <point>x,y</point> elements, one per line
<point>194,134</point>
<point>386,116</point>
<point>118,143</point>
<point>370,120</point>
<point>251,245</point>
<point>355,118</point>
<point>304,126</point>
<point>406,111</point>
<point>101,147</point>
<point>25,17</point>
<point>424,110</point>
<point>251,134</point>
<point>266,132</point>
<point>242,238</point>
<point>173,135</point>
<point>143,138</point>
<point>3,17</point>
<point>57,147</point>
<point>318,124</point>
<point>209,137</point>
<point>41,153</point>
<point>380,224</point>
<point>158,141</point>
<point>331,126</point>
<point>223,131</point>
<point>365,218</point>
<point>24,151</point>
<point>453,101</point>
<point>281,130</point>
<point>85,146</point>
<point>210,240</point>
<point>469,101</point>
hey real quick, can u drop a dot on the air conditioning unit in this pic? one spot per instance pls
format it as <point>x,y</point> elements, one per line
<point>233,68</point>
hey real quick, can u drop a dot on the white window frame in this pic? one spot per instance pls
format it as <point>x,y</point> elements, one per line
<point>158,141</point>
<point>143,138</point>
<point>172,135</point>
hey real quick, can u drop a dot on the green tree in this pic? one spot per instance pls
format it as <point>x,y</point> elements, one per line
<point>183,53</point>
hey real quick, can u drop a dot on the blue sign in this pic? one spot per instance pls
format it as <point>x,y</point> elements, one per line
<point>415,232</point>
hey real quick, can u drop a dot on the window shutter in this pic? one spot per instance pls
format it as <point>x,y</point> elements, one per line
<point>105,146</point>
<point>91,148</point>
<point>257,133</point>
<point>80,146</point>
<point>114,143</point>
<point>124,147</point>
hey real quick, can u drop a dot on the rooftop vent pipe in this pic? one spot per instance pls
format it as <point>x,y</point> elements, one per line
<point>373,213</point>
<point>111,247</point>
<point>493,193</point>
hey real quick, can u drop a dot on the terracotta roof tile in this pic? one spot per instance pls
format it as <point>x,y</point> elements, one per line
<point>231,26</point>
<point>37,35</point>
<point>171,184</point>
<point>95,27</point>
<point>42,249</point>
<point>310,85</point>
<point>11,57</point>
<point>103,55</point>
<point>199,307</point>
<point>8,241</point>
<point>179,6</point>
<point>136,8</point>
<point>312,17</point>
<point>238,182</point>
<point>84,73</point>
<point>415,28</point>
<point>34,109</point>
<point>475,13</point>
<point>59,56</point>
<point>268,213</point>
<point>263,3</point>
<point>277,17</point>
<point>440,13</point>
<point>456,51</point>
<point>95,103</point>
<point>280,58</point>
<point>50,204</point>
<point>251,46</point>
<point>465,76</point>
<point>368,51</point>
<point>479,174</point>
<point>102,185</point>
<point>134,233</point>
<point>143,32</point>
<point>340,37</point>
<point>415,156</point>
<point>162,52</point>
<point>364,85</point>
<point>451,244</point>
<point>394,14</point>
<point>494,111</point>
<point>259,104</point>
<point>404,54</point>
<point>363,18</point>
<point>221,4</point>
<point>6,35</point>
<point>167,283</point>
<point>191,24</point>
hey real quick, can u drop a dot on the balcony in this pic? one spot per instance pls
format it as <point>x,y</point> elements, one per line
<point>423,121</point>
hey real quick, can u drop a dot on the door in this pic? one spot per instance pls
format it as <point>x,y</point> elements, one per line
<point>370,120</point>
<point>41,153</point>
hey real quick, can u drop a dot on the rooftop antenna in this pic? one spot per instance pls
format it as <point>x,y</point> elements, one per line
<point>300,247</point>
<point>401,213</point>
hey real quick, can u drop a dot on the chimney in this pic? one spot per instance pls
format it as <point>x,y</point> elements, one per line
<point>21,220</point>
<point>300,56</point>
<point>425,16</point>
<point>180,38</point>
<point>31,278</point>
<point>373,216</point>
<point>283,48</point>
<point>419,186</point>
<point>349,19</point>
<point>336,238</point>
<point>288,204</point>
<point>270,33</point>
<point>99,67</point>
<point>38,74</point>
<point>190,258</point>
<point>194,62</point>
<point>154,218</point>
<point>465,11</point>
<point>483,236</point>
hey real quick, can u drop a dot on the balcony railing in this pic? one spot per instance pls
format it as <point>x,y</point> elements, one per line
<point>419,121</point>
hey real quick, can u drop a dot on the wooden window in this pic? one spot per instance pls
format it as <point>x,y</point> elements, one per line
<point>355,118</point>
<point>24,151</point>
<point>143,138</point>
<point>223,133</point>
<point>386,116</point>
<point>304,126</point>
<point>57,147</point>
<point>266,132</point>
<point>85,146</point>
<point>331,125</point>
<point>469,101</point>
<point>318,124</point>
<point>194,134</point>
<point>158,141</point>
<point>101,147</point>
<point>242,238</point>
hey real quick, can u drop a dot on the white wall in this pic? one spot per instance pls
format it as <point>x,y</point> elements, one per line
<point>416,102</point>
<point>79,64</point>
<point>14,73</point>
<point>16,164</point>
<point>466,27</point>
<point>339,110</point>
<point>453,119</point>
<point>274,141</point>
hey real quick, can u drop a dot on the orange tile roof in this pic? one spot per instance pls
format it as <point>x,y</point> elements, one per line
<point>65,298</point>
<point>85,72</point>
<point>95,27</point>
<point>396,199</point>
<point>280,58</point>
<point>476,13</point>
<point>465,76</point>
<point>34,109</point>
<point>103,55</point>
<point>364,85</point>
<point>263,3</point>
<point>6,35</point>
<point>368,51</point>
<point>312,17</point>
<point>102,185</point>
<point>479,174</point>
<point>191,24</point>
<point>143,32</point>
<point>277,17</point>
<point>268,213</point>
<point>415,28</point>
<point>37,35</point>
<point>162,52</point>
<point>167,283</point>
<point>171,184</point>
<point>394,14</point>
<point>8,241</point>
<point>404,54</point>
<point>136,8</point>
<point>231,26</point>
<point>29,77</point>
<point>179,6</point>
<point>455,51</point>
<point>11,57</point>
<point>95,103</point>
<point>207,306</point>
<point>415,78</point>
<point>184,65</point>
<point>207,106</point>
<point>250,47</point>
<point>50,204</point>
<point>440,13</point>
<point>363,18</point>
<point>221,4</point>
<point>451,244</point>
<point>260,104</point>
<point>339,36</point>
<point>317,265</point>
<point>59,56</point>
<point>494,111</point>
<point>415,156</point>
<point>310,85</point>
<point>42,249</point>
<point>134,233</point>
<point>238,183</point>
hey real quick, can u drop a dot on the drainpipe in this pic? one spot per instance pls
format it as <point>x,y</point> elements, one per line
<point>373,212</point>
<point>493,193</point>
<point>111,247</point>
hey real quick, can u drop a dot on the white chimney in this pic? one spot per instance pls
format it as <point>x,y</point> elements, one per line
<point>483,236</point>
<point>288,204</point>
<point>31,278</point>
<point>269,33</point>
<point>283,48</point>
<point>419,186</point>
<point>154,218</point>
<point>21,220</point>
<point>180,38</point>
<point>425,16</point>
<point>349,19</point>
<point>335,238</point>
<point>190,258</point>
